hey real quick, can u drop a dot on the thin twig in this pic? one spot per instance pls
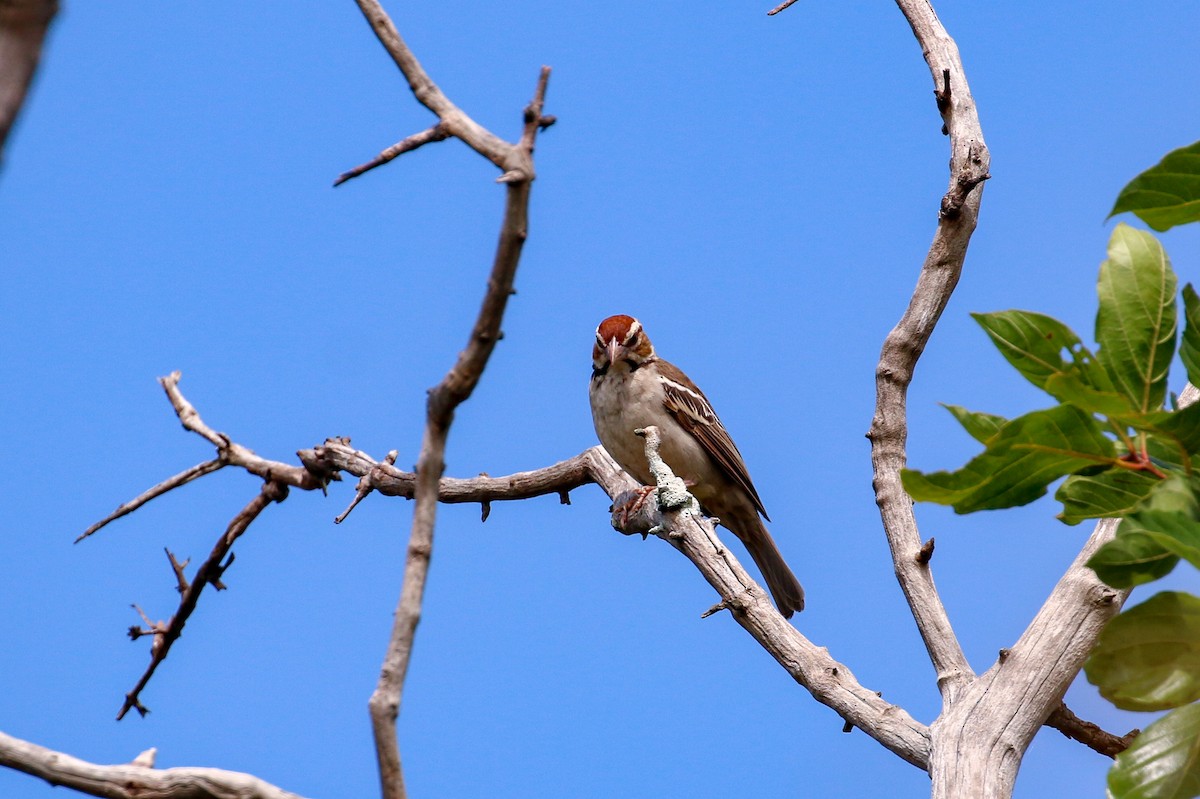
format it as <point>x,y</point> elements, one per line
<point>785,4</point>
<point>231,453</point>
<point>459,125</point>
<point>183,478</point>
<point>1089,734</point>
<point>366,484</point>
<point>437,133</point>
<point>209,572</point>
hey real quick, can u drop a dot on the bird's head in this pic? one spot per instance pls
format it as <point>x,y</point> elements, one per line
<point>621,344</point>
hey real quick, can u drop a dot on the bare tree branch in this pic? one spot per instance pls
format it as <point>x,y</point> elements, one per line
<point>321,464</point>
<point>209,572</point>
<point>452,119</point>
<point>437,133</point>
<point>183,478</point>
<point>905,343</point>
<point>132,781</point>
<point>516,163</point>
<point>454,389</point>
<point>831,683</point>
<point>23,26</point>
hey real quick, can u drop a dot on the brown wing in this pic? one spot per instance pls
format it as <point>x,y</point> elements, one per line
<point>692,409</point>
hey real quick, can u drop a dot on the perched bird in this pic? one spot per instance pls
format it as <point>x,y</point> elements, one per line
<point>632,388</point>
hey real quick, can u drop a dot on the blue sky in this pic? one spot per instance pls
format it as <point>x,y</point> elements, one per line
<point>759,191</point>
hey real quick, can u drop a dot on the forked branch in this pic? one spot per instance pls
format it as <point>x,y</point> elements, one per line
<point>517,173</point>
<point>905,343</point>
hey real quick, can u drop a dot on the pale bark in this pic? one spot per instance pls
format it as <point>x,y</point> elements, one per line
<point>130,781</point>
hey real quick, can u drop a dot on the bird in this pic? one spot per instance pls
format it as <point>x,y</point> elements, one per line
<point>632,388</point>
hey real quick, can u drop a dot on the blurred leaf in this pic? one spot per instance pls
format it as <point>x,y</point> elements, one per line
<point>1166,454</point>
<point>1176,494</point>
<point>1166,194</point>
<point>1163,762</point>
<point>1135,325</point>
<point>1174,532</point>
<point>1189,348</point>
<point>1148,657</point>
<point>1180,428</point>
<point>1114,492</point>
<point>1021,460</point>
<point>980,426</point>
<point>1132,558</point>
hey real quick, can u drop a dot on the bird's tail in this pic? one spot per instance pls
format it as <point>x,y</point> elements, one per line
<point>785,588</point>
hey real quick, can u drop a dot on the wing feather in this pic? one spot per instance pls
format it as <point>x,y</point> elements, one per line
<point>695,413</point>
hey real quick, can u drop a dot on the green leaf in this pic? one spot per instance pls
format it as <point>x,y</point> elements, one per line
<point>1135,325</point>
<point>1073,387</point>
<point>1021,460</point>
<point>980,426</point>
<point>1148,657</point>
<point>1132,558</point>
<point>1114,492</point>
<point>1189,348</point>
<point>1166,194</point>
<point>1166,454</point>
<point>1181,427</point>
<point>1176,494</point>
<point>1150,541</point>
<point>1035,343</point>
<point>1163,762</point>
<point>1175,532</point>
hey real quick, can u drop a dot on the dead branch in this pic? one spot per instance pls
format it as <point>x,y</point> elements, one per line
<point>905,343</point>
<point>132,780</point>
<point>23,26</point>
<point>209,572</point>
<point>437,133</point>
<point>516,163</point>
<point>831,683</point>
<point>183,478</point>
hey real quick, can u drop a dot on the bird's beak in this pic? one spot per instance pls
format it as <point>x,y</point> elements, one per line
<point>613,348</point>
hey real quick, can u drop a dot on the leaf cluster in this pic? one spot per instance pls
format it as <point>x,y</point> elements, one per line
<point>1125,453</point>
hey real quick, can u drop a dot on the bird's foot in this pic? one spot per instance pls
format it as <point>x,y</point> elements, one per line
<point>629,512</point>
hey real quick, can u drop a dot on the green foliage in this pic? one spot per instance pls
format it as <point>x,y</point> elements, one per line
<point>1148,658</point>
<point>1164,761</point>
<point>980,426</point>
<point>1022,458</point>
<point>1189,350</point>
<point>1124,455</point>
<point>1111,402</point>
<point>1166,194</point>
<point>1135,326</point>
<point>1113,492</point>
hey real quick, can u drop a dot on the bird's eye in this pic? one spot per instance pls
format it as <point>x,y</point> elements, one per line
<point>633,338</point>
